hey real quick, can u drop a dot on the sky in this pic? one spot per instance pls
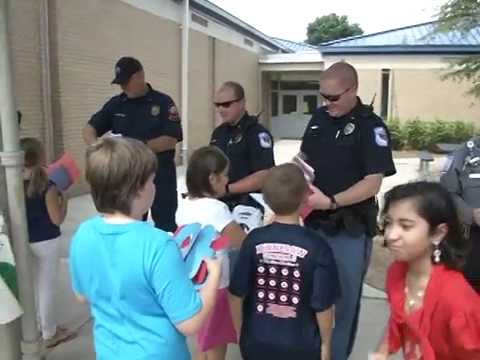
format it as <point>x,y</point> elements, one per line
<point>289,19</point>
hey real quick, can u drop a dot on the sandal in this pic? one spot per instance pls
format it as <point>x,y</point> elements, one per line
<point>61,335</point>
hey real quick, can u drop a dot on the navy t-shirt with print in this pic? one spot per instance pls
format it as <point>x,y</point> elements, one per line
<point>286,274</point>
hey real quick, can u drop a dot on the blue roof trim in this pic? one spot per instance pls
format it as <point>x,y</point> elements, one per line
<point>296,46</point>
<point>433,50</point>
<point>417,39</point>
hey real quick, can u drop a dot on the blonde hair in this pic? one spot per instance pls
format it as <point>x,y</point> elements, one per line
<point>117,169</point>
<point>34,160</point>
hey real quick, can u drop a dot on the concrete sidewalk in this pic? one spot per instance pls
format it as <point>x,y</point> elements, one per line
<point>76,316</point>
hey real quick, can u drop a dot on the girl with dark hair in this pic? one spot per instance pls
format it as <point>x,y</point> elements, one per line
<point>207,179</point>
<point>46,208</point>
<point>435,314</point>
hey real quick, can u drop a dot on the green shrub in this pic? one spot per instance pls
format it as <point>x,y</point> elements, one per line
<point>419,134</point>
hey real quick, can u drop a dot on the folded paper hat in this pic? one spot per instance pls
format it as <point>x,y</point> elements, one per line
<point>197,243</point>
<point>64,172</point>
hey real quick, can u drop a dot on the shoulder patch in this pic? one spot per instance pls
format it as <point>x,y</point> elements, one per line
<point>381,138</point>
<point>173,113</point>
<point>265,140</point>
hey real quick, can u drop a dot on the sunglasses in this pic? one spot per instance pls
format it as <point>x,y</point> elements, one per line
<point>226,104</point>
<point>334,98</point>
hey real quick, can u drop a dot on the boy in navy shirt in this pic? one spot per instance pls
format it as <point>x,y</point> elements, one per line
<point>285,281</point>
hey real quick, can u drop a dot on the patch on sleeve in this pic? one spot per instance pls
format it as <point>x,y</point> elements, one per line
<point>173,114</point>
<point>265,140</point>
<point>448,164</point>
<point>381,137</point>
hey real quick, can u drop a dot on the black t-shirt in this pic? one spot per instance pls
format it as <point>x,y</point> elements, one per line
<point>344,150</point>
<point>143,118</point>
<point>286,274</point>
<point>248,146</point>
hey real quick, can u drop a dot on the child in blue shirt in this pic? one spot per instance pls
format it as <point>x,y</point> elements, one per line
<point>130,272</point>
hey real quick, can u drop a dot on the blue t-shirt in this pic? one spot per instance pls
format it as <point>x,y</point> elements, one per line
<point>286,274</point>
<point>135,281</point>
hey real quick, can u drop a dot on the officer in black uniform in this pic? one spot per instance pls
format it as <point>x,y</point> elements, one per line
<point>248,145</point>
<point>462,180</point>
<point>349,148</point>
<point>143,113</point>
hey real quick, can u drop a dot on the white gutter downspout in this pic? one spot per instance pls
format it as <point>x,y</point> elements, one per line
<point>12,159</point>
<point>184,77</point>
<point>46,82</point>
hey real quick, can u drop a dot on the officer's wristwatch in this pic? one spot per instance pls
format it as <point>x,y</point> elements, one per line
<point>333,203</point>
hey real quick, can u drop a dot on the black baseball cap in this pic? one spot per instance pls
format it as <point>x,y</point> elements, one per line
<point>125,68</point>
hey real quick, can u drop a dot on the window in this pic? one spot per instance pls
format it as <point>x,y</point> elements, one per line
<point>289,104</point>
<point>274,104</point>
<point>248,42</point>
<point>299,85</point>
<point>310,104</point>
<point>199,20</point>
<point>385,93</point>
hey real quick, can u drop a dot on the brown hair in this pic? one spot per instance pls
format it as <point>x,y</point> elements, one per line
<point>117,169</point>
<point>285,189</point>
<point>204,161</point>
<point>34,158</point>
<point>236,87</point>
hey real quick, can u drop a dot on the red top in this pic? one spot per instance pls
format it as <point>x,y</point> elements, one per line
<point>446,327</point>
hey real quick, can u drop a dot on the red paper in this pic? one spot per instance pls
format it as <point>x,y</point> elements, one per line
<point>69,164</point>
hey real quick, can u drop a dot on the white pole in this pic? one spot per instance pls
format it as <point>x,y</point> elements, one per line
<point>12,159</point>
<point>185,62</point>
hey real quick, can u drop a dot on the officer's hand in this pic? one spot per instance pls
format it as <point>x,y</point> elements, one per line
<point>317,199</point>
<point>476,216</point>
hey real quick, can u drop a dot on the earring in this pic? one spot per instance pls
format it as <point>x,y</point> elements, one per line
<point>436,253</point>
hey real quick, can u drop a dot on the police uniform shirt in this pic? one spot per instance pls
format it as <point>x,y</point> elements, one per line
<point>143,118</point>
<point>462,178</point>
<point>346,149</point>
<point>248,145</point>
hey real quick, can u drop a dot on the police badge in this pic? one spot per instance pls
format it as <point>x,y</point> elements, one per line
<point>155,110</point>
<point>349,128</point>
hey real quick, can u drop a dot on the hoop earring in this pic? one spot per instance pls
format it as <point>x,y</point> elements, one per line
<point>436,253</point>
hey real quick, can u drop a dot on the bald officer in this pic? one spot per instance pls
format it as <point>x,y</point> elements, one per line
<point>349,148</point>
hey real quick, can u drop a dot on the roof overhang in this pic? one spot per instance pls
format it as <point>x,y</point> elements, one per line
<point>302,61</point>
<point>238,25</point>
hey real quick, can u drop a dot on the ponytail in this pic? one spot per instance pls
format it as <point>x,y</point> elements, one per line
<point>34,159</point>
<point>38,182</point>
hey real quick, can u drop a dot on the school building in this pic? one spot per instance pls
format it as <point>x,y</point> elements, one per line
<point>64,52</point>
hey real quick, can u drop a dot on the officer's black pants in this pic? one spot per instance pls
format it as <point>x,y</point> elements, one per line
<point>165,204</point>
<point>472,267</point>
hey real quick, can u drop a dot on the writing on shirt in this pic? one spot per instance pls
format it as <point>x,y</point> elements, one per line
<point>278,279</point>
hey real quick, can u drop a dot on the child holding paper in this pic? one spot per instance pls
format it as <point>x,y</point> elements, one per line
<point>131,273</point>
<point>46,208</point>
<point>206,182</point>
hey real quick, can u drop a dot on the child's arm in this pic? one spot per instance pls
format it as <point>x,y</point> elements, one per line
<point>235,233</point>
<point>325,325</point>
<point>236,311</point>
<point>56,205</point>
<point>208,295</point>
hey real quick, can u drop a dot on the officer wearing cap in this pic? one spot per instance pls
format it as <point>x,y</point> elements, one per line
<point>143,113</point>
<point>462,180</point>
<point>248,145</point>
<point>349,148</point>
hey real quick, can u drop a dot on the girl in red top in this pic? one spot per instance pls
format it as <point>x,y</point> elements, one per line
<point>435,314</point>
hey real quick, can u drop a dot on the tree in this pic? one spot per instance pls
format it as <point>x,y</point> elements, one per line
<point>331,27</point>
<point>462,16</point>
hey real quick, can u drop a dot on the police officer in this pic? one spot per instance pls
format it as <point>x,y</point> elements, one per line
<point>248,145</point>
<point>143,113</point>
<point>349,148</point>
<point>462,180</point>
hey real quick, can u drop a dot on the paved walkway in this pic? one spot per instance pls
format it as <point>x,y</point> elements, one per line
<point>74,315</point>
